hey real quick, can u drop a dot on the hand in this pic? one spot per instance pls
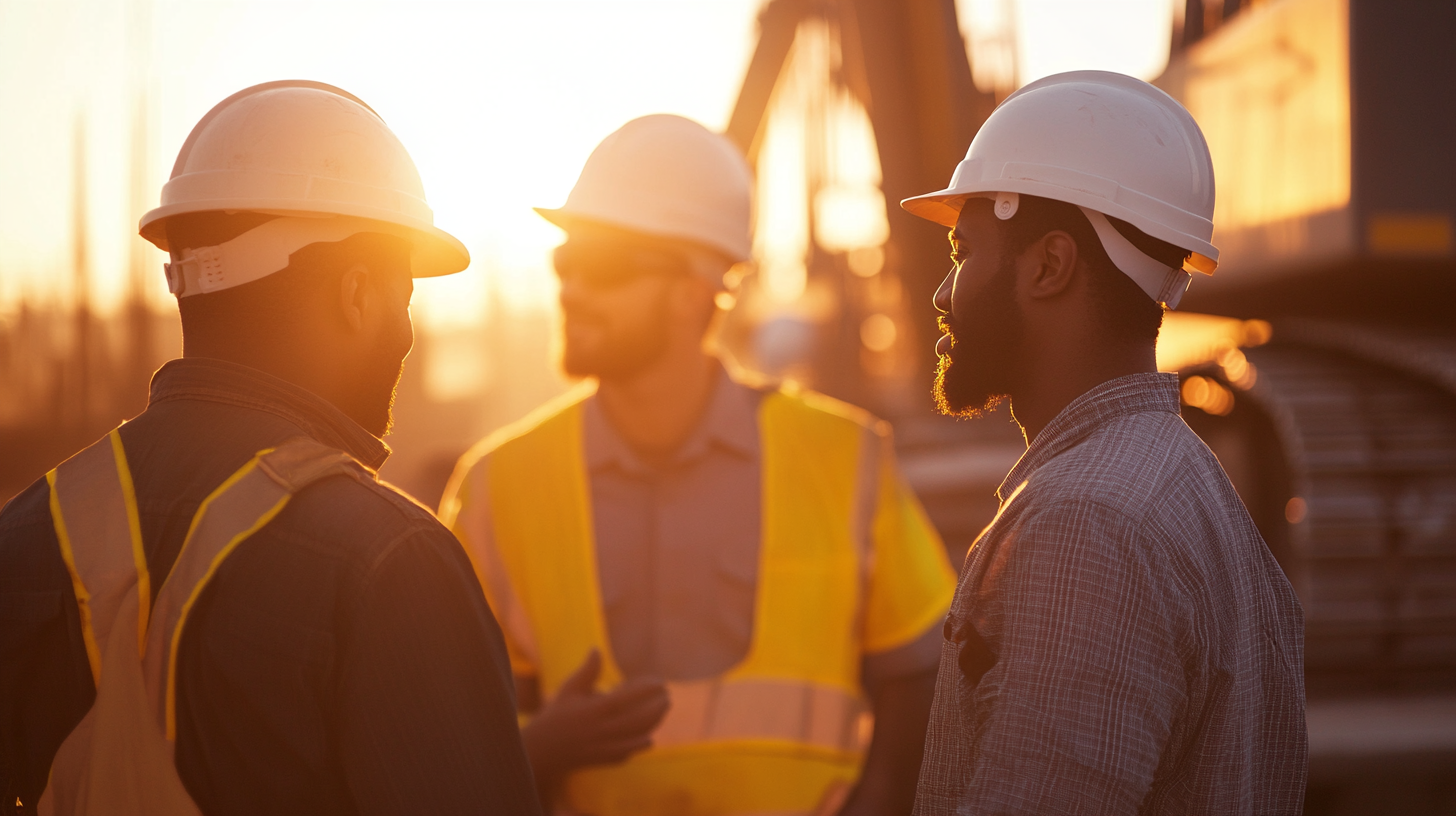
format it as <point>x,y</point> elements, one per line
<point>581,727</point>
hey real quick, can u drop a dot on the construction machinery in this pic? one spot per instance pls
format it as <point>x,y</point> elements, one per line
<point>1319,364</point>
<point>1337,217</point>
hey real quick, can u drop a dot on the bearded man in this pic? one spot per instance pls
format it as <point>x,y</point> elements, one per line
<point>701,578</point>
<point>218,607</point>
<point>1122,641</point>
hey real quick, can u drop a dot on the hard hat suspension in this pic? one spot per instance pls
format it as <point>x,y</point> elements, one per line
<point>261,251</point>
<point>1163,283</point>
<point>1006,205</point>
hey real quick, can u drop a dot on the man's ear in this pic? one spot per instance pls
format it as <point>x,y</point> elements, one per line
<point>1049,265</point>
<point>355,291</point>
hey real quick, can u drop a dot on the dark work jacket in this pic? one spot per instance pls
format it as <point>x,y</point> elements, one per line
<point>343,660</point>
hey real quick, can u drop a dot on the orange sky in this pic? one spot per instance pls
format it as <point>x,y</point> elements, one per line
<point>498,102</point>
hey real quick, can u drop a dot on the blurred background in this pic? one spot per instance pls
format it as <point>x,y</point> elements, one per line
<point>1319,364</point>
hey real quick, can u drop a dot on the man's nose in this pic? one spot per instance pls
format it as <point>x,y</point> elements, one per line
<point>943,294</point>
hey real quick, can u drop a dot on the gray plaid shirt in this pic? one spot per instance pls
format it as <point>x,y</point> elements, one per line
<point>1122,641</point>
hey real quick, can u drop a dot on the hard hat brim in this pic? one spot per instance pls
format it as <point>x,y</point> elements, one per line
<point>433,253</point>
<point>1090,162</point>
<point>944,207</point>
<point>559,217</point>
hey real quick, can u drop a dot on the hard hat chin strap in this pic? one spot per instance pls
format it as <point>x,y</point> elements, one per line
<point>261,251</point>
<point>1163,283</point>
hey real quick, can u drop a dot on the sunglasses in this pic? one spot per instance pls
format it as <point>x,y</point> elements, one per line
<point>604,265</point>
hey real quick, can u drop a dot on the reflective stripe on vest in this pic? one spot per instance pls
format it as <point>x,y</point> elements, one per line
<point>119,758</point>
<point>99,504</point>
<point>779,732</point>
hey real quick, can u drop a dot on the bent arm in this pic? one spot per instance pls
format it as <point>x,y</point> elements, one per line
<point>425,707</point>
<point>580,727</point>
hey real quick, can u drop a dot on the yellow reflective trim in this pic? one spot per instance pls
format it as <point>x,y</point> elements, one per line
<point>752,776</point>
<point>138,551</point>
<point>197,590</point>
<point>786,710</point>
<point>83,598</point>
<point>768,746</point>
<point>227,483</point>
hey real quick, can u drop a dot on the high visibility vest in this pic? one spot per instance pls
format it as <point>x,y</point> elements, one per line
<point>778,733</point>
<point>119,759</point>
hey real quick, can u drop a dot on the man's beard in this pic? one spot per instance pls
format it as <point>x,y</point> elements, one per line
<point>980,370</point>
<point>620,353</point>
<point>378,385</point>
<point>387,417</point>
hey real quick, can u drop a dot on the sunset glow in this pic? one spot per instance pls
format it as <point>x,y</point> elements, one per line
<point>498,102</point>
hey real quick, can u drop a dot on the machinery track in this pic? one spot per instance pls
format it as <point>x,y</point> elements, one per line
<point>1358,451</point>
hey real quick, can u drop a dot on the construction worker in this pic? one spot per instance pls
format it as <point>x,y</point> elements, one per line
<point>688,560</point>
<point>1122,640</point>
<point>218,607</point>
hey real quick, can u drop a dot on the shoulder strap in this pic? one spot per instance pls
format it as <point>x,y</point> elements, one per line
<point>809,590</point>
<point>541,513</point>
<point>239,507</point>
<point>119,759</point>
<point>93,510</point>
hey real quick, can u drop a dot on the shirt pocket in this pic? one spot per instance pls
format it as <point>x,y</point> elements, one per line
<point>973,655</point>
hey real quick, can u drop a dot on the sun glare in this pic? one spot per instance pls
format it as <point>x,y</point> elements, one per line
<point>499,104</point>
<point>1019,41</point>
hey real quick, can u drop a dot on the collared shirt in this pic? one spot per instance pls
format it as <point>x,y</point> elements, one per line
<point>677,540</point>
<point>342,659</point>
<point>1121,641</point>
<point>678,545</point>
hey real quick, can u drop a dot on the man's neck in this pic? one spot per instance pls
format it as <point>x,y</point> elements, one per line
<point>656,409</point>
<point>324,378</point>
<point>1053,386</point>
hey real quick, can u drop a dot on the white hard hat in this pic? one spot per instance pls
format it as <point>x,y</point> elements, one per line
<point>304,150</point>
<point>666,176</point>
<point>1108,143</point>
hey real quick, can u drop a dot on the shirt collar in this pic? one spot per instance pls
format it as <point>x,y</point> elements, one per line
<point>201,378</point>
<point>1133,394</point>
<point>730,422</point>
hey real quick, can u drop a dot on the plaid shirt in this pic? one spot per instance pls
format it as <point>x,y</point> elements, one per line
<point>1122,641</point>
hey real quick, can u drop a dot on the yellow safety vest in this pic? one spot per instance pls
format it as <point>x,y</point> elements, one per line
<point>779,732</point>
<point>119,759</point>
